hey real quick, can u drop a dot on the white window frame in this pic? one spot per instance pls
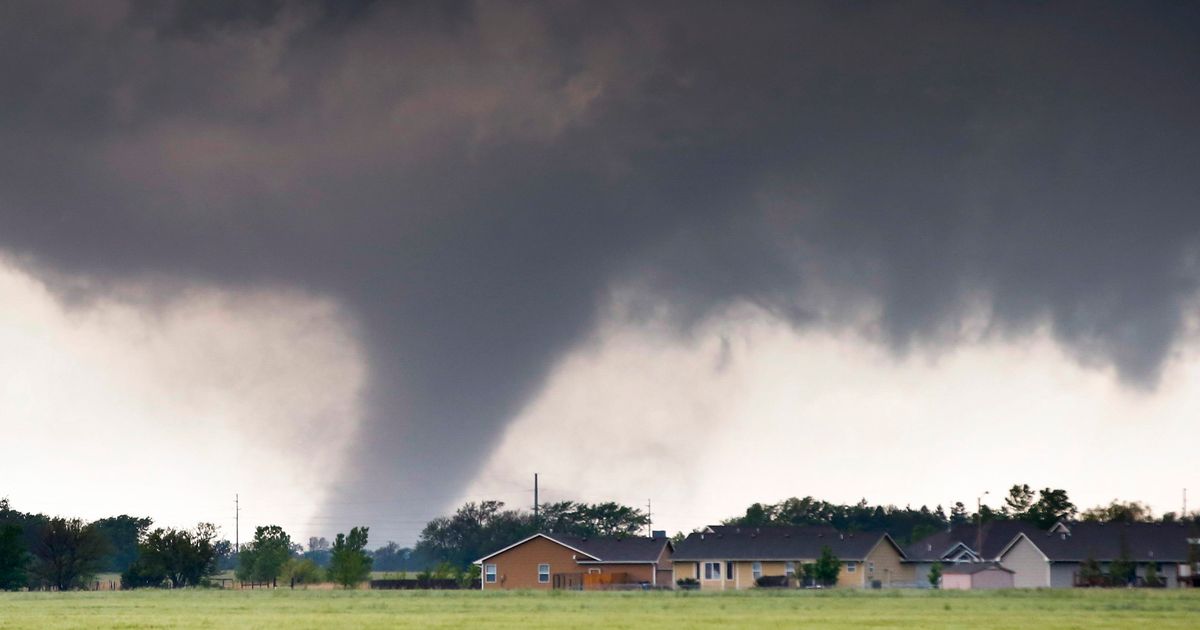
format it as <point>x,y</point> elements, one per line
<point>871,566</point>
<point>851,567</point>
<point>712,571</point>
<point>789,568</point>
<point>756,570</point>
<point>542,573</point>
<point>489,573</point>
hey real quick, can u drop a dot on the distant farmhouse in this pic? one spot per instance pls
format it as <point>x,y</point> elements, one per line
<point>1001,554</point>
<point>555,561</point>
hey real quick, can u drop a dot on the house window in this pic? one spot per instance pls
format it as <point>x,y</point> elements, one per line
<point>756,570</point>
<point>543,573</point>
<point>489,570</point>
<point>728,570</point>
<point>712,570</point>
<point>594,571</point>
<point>871,567</point>
<point>851,567</point>
<point>790,569</point>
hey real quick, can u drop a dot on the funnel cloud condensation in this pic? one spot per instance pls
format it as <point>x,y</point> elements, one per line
<point>471,180</point>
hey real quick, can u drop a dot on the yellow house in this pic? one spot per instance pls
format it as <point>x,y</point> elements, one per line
<point>726,557</point>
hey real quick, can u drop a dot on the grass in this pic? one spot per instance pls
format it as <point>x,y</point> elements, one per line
<point>449,609</point>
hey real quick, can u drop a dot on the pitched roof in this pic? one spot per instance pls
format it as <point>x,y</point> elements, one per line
<point>633,549</point>
<point>1144,542</point>
<point>971,568</point>
<point>727,542</point>
<point>629,550</point>
<point>995,536</point>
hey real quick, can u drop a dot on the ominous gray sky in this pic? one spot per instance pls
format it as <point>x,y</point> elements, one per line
<point>470,182</point>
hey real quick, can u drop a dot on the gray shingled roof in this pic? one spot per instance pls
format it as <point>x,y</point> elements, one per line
<point>631,549</point>
<point>995,536</point>
<point>1145,542</point>
<point>726,542</point>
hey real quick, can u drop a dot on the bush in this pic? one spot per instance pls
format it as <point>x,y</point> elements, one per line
<point>935,575</point>
<point>301,571</point>
<point>772,581</point>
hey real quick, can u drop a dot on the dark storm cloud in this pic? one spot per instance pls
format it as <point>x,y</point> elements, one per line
<point>471,179</point>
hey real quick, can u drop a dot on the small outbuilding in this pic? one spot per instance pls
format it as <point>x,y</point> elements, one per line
<point>976,575</point>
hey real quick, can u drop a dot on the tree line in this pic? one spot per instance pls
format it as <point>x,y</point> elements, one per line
<point>42,552</point>
<point>907,524</point>
<point>56,553</point>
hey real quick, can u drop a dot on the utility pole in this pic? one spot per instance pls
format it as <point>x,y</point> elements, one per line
<point>237,524</point>
<point>649,519</point>
<point>979,525</point>
<point>537,522</point>
<point>1183,516</point>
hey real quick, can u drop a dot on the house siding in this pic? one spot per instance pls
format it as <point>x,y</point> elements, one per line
<point>1062,574</point>
<point>1030,569</point>
<point>956,582</point>
<point>683,570</point>
<point>637,572</point>
<point>517,568</point>
<point>889,568</point>
<point>847,579</point>
<point>992,578</point>
<point>920,573</point>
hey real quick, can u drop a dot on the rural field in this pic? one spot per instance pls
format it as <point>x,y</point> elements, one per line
<point>448,609</point>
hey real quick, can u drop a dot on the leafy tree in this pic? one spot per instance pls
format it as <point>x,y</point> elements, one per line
<point>935,575</point>
<point>123,534</point>
<point>30,526</point>
<point>68,553</point>
<point>758,515</point>
<point>589,520</point>
<point>262,560</point>
<point>827,567</point>
<point>1019,500</point>
<point>349,563</point>
<point>958,515</point>
<point>1120,512</point>
<point>225,554</point>
<point>1052,506</point>
<point>176,556</point>
<point>474,530</point>
<point>905,524</point>
<point>301,571</point>
<point>13,558</point>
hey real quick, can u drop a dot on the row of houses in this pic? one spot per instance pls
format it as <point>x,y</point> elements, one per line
<point>1000,554</point>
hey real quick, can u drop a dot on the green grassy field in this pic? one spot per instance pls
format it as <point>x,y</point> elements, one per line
<point>1026,610</point>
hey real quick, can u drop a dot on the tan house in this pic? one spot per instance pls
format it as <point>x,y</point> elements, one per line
<point>555,561</point>
<point>724,557</point>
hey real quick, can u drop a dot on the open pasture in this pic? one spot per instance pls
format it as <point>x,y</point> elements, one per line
<point>448,609</point>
